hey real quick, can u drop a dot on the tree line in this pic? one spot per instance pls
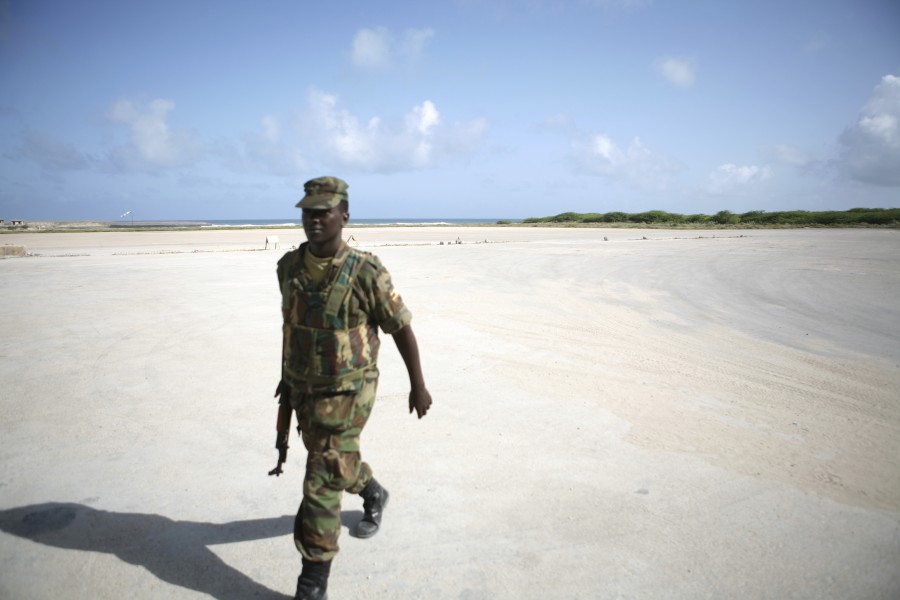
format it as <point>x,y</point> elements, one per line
<point>854,217</point>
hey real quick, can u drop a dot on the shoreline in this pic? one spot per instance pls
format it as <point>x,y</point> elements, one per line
<point>150,226</point>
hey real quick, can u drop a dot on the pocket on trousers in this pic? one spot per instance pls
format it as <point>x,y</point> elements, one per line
<point>364,401</point>
<point>333,413</point>
<point>342,411</point>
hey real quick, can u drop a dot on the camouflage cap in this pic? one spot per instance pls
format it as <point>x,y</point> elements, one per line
<point>323,192</point>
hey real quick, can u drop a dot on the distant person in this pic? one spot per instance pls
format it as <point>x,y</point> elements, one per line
<point>334,299</point>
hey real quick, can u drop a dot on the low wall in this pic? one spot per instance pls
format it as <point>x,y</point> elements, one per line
<point>11,250</point>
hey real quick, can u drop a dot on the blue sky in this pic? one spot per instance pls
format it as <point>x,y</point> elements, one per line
<point>457,108</point>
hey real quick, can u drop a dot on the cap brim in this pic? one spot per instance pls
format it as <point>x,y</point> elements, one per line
<point>318,201</point>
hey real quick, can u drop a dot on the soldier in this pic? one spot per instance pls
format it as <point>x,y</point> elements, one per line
<point>334,299</point>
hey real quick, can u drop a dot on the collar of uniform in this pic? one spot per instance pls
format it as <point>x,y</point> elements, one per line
<point>341,254</point>
<point>336,261</point>
<point>338,257</point>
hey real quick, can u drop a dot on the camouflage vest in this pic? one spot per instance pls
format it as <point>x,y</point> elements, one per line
<point>323,342</point>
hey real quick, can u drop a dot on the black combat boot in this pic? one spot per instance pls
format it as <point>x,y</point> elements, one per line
<point>375,498</point>
<point>313,581</point>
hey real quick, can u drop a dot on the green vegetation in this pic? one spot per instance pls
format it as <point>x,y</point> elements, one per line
<point>855,217</point>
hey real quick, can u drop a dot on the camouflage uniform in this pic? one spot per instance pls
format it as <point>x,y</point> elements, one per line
<point>330,362</point>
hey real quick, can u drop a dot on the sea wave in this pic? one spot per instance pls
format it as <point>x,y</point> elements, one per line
<point>397,223</point>
<point>252,225</point>
<point>359,222</point>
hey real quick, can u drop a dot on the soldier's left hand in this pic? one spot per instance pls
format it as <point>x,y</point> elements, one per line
<point>420,400</point>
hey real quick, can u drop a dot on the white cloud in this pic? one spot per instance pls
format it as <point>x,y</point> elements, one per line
<point>423,119</point>
<point>417,140</point>
<point>635,165</point>
<point>371,48</point>
<point>871,147</point>
<point>730,178</point>
<point>377,48</point>
<point>153,143</point>
<point>678,71</point>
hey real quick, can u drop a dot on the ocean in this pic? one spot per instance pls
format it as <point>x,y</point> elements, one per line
<point>385,222</point>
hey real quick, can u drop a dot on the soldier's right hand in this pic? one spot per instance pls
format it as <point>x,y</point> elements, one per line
<point>420,400</point>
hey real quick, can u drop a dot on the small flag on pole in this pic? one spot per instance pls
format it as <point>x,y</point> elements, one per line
<point>125,215</point>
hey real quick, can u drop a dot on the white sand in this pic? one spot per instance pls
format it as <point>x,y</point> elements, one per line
<point>692,415</point>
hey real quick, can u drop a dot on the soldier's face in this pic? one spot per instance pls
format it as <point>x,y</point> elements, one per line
<point>323,226</point>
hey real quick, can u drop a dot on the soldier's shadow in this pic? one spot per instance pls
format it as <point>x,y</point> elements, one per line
<point>174,551</point>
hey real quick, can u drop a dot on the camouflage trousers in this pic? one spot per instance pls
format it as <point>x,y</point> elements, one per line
<point>330,426</point>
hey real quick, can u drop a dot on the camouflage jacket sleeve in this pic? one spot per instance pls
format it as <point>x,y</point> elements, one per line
<point>384,305</point>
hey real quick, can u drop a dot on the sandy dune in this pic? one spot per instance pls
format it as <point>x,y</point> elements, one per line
<point>618,414</point>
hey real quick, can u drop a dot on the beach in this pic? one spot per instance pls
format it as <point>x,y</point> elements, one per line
<point>618,413</point>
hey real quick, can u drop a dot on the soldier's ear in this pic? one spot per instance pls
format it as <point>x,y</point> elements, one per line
<point>345,217</point>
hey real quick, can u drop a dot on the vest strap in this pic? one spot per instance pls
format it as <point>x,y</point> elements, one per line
<point>339,295</point>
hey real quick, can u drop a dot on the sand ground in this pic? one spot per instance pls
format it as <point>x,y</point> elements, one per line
<point>618,414</point>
